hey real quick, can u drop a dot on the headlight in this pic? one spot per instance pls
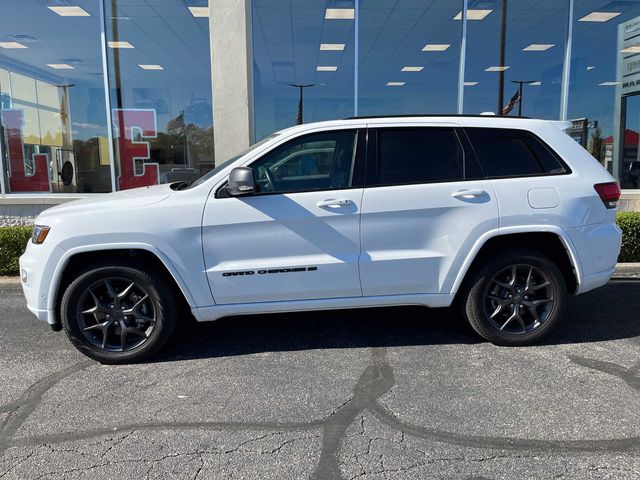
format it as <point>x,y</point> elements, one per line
<point>40,232</point>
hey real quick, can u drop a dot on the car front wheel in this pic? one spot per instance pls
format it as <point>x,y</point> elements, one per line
<point>516,298</point>
<point>118,313</point>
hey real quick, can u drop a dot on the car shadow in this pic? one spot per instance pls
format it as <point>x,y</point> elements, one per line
<point>609,313</point>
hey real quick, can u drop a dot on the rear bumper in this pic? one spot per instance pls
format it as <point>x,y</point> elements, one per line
<point>595,280</point>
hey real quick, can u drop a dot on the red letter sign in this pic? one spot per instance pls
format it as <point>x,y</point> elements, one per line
<point>19,180</point>
<point>126,123</point>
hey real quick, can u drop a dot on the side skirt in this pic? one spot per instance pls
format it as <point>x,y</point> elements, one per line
<point>214,312</point>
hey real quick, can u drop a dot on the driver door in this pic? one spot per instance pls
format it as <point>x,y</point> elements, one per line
<point>298,237</point>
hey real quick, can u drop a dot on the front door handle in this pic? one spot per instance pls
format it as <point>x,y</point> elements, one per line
<point>469,193</point>
<point>334,203</point>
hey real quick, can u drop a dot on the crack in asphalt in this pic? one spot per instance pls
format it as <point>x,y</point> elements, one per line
<point>375,381</point>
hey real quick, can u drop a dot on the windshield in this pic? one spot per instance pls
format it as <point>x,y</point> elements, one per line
<point>228,162</point>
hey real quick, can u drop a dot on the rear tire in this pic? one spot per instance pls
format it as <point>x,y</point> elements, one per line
<point>515,298</point>
<point>118,313</point>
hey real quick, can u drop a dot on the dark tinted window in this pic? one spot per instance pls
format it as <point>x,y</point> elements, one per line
<point>418,155</point>
<point>506,152</point>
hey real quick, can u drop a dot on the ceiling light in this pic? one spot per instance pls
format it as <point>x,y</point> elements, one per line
<point>631,49</point>
<point>473,14</point>
<point>590,68</point>
<point>536,84</point>
<point>470,84</point>
<point>538,47</point>
<point>395,84</point>
<point>496,69</point>
<point>412,69</point>
<point>60,66</point>
<point>608,84</point>
<point>12,45</point>
<point>599,16</point>
<point>326,68</point>
<point>151,67</point>
<point>72,11</point>
<point>199,11</point>
<point>332,46</point>
<point>120,45</point>
<point>339,14</point>
<point>435,47</point>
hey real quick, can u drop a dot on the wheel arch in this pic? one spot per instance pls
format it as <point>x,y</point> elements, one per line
<point>75,259</point>
<point>550,241</point>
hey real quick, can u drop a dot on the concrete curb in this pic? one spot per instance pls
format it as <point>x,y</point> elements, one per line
<point>623,271</point>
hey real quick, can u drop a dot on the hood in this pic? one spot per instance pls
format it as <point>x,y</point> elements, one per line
<point>125,199</point>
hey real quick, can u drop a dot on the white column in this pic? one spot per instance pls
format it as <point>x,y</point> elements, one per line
<point>231,73</point>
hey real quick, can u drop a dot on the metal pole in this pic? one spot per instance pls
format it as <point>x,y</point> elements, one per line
<point>566,68</point>
<point>356,56</point>
<point>503,34</point>
<point>107,96</point>
<point>463,55</point>
<point>2,169</point>
<point>520,101</point>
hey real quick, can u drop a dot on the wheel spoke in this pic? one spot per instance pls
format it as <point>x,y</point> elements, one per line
<point>509,320</point>
<point>97,326</point>
<point>514,271</point>
<point>527,284</point>
<point>535,288</point>
<point>541,301</point>
<point>502,284</point>
<point>123,338</point>
<point>137,331</point>
<point>497,311</point>
<point>498,300</point>
<point>110,289</point>
<point>126,291</point>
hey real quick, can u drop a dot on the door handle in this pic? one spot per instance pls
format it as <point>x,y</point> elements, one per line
<point>469,193</point>
<point>334,203</point>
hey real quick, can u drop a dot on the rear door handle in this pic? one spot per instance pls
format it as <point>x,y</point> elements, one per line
<point>468,194</point>
<point>334,203</point>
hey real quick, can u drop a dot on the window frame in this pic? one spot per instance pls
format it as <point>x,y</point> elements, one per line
<point>357,180</point>
<point>519,131</point>
<point>372,170</point>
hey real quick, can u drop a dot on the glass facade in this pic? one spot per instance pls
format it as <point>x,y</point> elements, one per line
<point>64,65</point>
<point>558,60</point>
<point>102,95</point>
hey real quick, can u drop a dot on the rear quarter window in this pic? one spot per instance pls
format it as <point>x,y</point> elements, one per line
<point>510,152</point>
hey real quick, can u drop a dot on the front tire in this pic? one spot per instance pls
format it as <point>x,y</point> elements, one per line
<point>118,313</point>
<point>516,298</point>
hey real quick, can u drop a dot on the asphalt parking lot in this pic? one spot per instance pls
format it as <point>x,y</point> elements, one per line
<point>372,394</point>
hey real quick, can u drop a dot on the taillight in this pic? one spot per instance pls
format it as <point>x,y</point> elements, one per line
<point>609,193</point>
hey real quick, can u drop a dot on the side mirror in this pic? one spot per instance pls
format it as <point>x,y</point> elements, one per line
<point>241,182</point>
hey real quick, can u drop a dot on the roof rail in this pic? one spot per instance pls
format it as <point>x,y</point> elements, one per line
<point>360,117</point>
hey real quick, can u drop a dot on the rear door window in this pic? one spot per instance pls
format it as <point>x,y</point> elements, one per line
<point>417,155</point>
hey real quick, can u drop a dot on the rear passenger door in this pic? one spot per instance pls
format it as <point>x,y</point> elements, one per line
<point>420,211</point>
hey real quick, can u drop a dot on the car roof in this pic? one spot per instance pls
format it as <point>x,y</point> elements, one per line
<point>462,120</point>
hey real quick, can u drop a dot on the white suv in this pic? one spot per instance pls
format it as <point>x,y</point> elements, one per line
<point>504,216</point>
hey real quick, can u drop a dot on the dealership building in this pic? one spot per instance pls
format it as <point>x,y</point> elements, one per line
<point>104,95</point>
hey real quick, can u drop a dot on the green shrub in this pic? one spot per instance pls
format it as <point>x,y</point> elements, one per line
<point>13,241</point>
<point>629,223</point>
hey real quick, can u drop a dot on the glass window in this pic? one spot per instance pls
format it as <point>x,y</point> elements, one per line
<point>527,45</point>
<point>506,152</point>
<point>605,82</point>
<point>323,161</point>
<point>409,57</point>
<point>418,155</point>
<point>161,96</point>
<point>53,125</point>
<point>302,64</point>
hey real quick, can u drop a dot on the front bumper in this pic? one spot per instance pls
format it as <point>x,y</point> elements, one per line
<point>37,269</point>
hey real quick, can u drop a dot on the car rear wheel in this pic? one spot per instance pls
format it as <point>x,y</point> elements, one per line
<point>118,313</point>
<point>516,298</point>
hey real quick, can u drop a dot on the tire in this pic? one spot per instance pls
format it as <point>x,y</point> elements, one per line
<point>106,295</point>
<point>511,321</point>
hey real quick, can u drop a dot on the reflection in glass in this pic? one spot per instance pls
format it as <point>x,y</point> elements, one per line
<point>53,120</point>
<point>304,44</point>
<point>160,79</point>
<point>512,41</point>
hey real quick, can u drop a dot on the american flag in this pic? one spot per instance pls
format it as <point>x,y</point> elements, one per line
<point>176,123</point>
<point>512,103</point>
